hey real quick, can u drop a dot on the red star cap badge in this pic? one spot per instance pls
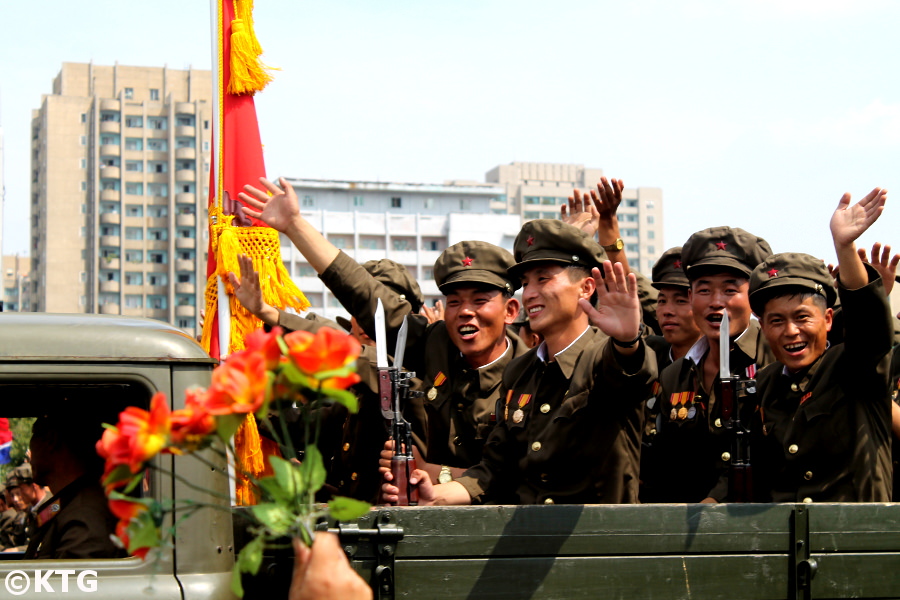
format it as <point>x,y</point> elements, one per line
<point>677,264</point>
<point>720,245</point>
<point>772,272</point>
<point>530,240</point>
<point>467,261</point>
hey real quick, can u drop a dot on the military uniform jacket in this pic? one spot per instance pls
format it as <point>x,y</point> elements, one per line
<point>569,431</point>
<point>690,432</point>
<point>7,528</point>
<point>75,523</point>
<point>459,400</point>
<point>827,431</point>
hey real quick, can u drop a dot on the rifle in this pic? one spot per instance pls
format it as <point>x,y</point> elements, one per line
<point>734,392</point>
<point>393,388</point>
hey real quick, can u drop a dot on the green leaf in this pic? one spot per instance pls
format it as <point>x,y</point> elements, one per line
<point>226,425</point>
<point>312,469</point>
<point>248,561</point>
<point>135,481</point>
<point>345,397</point>
<point>347,509</point>
<point>143,532</point>
<point>120,473</point>
<point>297,377</point>
<point>341,372</point>
<point>288,477</point>
<point>274,516</point>
<point>274,490</point>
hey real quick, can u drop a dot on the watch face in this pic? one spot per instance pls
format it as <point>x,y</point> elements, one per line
<point>619,244</point>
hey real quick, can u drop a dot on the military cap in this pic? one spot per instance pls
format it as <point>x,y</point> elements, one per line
<point>345,323</point>
<point>398,278</point>
<point>800,272</point>
<point>23,472</point>
<point>474,262</point>
<point>727,247</point>
<point>668,272</point>
<point>551,240</point>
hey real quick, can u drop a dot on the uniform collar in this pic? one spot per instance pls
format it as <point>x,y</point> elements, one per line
<point>489,375</point>
<point>568,356</point>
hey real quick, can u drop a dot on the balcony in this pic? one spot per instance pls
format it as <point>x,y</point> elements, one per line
<point>110,218</point>
<point>109,263</point>
<point>185,288</point>
<point>156,290</point>
<point>108,172</point>
<point>109,309</point>
<point>185,175</point>
<point>110,127</point>
<point>110,105</point>
<point>110,150</point>
<point>185,153</point>
<point>133,312</point>
<point>109,286</point>
<point>110,241</point>
<point>183,265</point>
<point>159,314</point>
<point>185,243</point>
<point>184,108</point>
<point>185,131</point>
<point>185,198</point>
<point>185,311</point>
<point>186,220</point>
<point>110,195</point>
<point>157,222</point>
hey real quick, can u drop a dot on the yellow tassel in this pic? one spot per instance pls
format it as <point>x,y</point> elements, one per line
<point>248,74</point>
<point>249,460</point>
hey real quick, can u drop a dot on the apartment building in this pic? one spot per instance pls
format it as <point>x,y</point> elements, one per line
<point>120,169</point>
<point>17,289</point>
<point>537,190</point>
<point>411,223</point>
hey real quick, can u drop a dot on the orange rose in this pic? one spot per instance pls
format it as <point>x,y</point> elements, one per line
<point>138,437</point>
<point>238,385</point>
<point>327,350</point>
<point>130,514</point>
<point>191,424</point>
<point>267,345</point>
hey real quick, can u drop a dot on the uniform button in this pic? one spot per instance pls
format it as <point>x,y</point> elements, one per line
<point>354,476</point>
<point>718,423</point>
<point>545,408</point>
<point>793,448</point>
<point>536,446</point>
<point>807,500</point>
<point>653,431</point>
<point>808,475</point>
<point>456,441</point>
<point>346,446</point>
<point>548,500</point>
<point>795,387</point>
<point>544,478</point>
<point>726,456</point>
<point>460,406</point>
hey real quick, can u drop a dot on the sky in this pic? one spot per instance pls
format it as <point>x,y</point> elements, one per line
<point>751,114</point>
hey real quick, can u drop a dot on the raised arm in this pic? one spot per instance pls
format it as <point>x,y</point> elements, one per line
<point>847,224</point>
<point>883,263</point>
<point>618,311</point>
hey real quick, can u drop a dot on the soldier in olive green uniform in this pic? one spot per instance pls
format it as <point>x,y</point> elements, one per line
<point>690,429</point>
<point>569,423</point>
<point>679,333</point>
<point>825,411</point>
<point>350,443</point>
<point>7,521</point>
<point>460,359</point>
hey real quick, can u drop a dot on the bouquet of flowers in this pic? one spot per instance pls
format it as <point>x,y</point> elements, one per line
<point>300,369</point>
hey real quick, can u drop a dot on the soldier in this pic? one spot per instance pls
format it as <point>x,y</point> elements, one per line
<point>7,521</point>
<point>691,433</point>
<point>460,359</point>
<point>350,443</point>
<point>569,424</point>
<point>679,334</point>
<point>20,529</point>
<point>825,412</point>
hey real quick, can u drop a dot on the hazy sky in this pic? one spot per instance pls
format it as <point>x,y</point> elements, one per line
<point>757,114</point>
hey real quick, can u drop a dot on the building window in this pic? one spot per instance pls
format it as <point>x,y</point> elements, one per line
<point>156,302</point>
<point>631,203</point>
<point>157,279</point>
<point>84,186</point>
<point>651,235</point>
<point>134,301</point>
<point>84,163</point>
<point>629,232</point>
<point>532,200</point>
<point>627,218</point>
<point>396,202</point>
<point>530,214</point>
<point>401,244</point>
<point>357,201</point>
<point>154,94</point>
<point>134,144</point>
<point>159,123</point>
<point>134,166</point>
<point>651,204</point>
<point>84,140</point>
<point>185,278</point>
<point>84,117</point>
<point>134,233</point>
<point>308,201</point>
<point>109,117</point>
<point>157,256</point>
<point>129,93</point>
<point>134,188</point>
<point>134,256</point>
<point>157,145</point>
<point>651,249</point>
<point>157,211</point>
<point>205,124</point>
<point>429,202</point>
<point>157,189</point>
<point>650,264</point>
<point>206,146</point>
<point>430,245</point>
<point>632,248</point>
<point>186,142</point>
<point>159,234</point>
<point>465,204</point>
<point>185,120</point>
<point>134,278</point>
<point>650,220</point>
<point>134,210</point>
<point>134,121</point>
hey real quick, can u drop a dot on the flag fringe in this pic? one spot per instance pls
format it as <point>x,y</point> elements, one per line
<point>248,73</point>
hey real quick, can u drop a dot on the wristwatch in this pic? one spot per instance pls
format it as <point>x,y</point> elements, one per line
<point>446,476</point>
<point>615,246</point>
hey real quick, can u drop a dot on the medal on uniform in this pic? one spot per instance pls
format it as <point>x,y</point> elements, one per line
<point>673,415</point>
<point>692,412</point>
<point>518,415</point>
<point>506,405</point>
<point>682,413</point>
<point>432,393</point>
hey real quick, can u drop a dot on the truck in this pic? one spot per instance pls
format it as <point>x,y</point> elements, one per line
<point>665,551</point>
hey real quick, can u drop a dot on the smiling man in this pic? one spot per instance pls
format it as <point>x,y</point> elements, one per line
<point>825,412</point>
<point>691,433</point>
<point>460,359</point>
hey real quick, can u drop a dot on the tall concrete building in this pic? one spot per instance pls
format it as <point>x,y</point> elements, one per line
<point>537,190</point>
<point>120,168</point>
<point>17,288</point>
<point>411,223</point>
